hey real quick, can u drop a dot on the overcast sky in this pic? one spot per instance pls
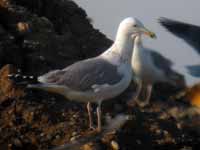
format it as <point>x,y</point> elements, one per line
<point>107,14</point>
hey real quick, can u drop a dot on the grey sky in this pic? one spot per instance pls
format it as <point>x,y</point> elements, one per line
<point>107,14</point>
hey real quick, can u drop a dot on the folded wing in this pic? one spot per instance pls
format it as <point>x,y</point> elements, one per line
<point>83,75</point>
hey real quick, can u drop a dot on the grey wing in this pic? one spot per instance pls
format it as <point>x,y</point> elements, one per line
<point>165,65</point>
<point>194,70</point>
<point>160,61</point>
<point>84,74</point>
<point>51,77</point>
<point>189,33</point>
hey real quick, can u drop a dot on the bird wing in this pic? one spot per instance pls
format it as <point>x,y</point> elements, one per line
<point>189,33</point>
<point>194,70</point>
<point>160,61</point>
<point>85,75</point>
<point>165,65</point>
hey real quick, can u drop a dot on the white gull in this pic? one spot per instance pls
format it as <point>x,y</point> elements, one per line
<point>150,67</point>
<point>99,78</point>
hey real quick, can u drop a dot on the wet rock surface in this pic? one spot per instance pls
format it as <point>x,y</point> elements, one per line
<point>39,35</point>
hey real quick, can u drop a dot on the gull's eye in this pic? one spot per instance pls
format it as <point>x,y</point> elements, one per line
<point>135,25</point>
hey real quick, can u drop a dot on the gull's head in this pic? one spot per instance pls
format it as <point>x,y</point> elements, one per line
<point>132,26</point>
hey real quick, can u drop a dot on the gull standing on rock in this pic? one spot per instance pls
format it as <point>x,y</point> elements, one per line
<point>99,78</point>
<point>149,67</point>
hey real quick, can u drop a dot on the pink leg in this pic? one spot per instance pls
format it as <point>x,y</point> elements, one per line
<point>149,90</point>
<point>136,95</point>
<point>99,117</point>
<point>89,109</point>
<point>148,96</point>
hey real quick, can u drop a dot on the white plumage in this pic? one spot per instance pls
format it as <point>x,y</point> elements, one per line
<point>149,67</point>
<point>99,78</point>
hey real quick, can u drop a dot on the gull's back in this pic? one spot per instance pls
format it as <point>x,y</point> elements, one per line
<point>82,75</point>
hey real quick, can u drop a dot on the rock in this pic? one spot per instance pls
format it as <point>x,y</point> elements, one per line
<point>7,89</point>
<point>91,146</point>
<point>114,145</point>
<point>17,143</point>
<point>55,40</point>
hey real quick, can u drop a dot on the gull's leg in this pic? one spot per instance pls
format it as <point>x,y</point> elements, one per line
<point>99,117</point>
<point>137,93</point>
<point>148,96</point>
<point>149,90</point>
<point>89,109</point>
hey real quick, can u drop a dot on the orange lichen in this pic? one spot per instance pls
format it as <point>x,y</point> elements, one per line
<point>193,95</point>
<point>7,88</point>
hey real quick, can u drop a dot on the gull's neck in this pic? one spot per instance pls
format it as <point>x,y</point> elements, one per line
<point>121,49</point>
<point>138,46</point>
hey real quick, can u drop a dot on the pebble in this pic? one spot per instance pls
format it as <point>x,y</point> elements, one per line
<point>166,132</point>
<point>158,131</point>
<point>17,142</point>
<point>74,133</point>
<point>75,116</point>
<point>73,138</point>
<point>49,137</point>
<point>24,77</point>
<point>57,136</point>
<point>17,75</point>
<point>114,145</point>
<point>138,142</point>
<point>31,77</point>
<point>179,126</point>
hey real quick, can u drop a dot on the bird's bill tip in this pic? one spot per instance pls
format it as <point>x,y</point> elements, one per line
<point>150,34</point>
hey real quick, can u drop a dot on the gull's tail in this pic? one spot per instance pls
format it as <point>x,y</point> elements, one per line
<point>41,83</point>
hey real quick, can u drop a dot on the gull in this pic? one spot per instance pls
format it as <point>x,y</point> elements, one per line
<point>149,67</point>
<point>189,33</point>
<point>99,78</point>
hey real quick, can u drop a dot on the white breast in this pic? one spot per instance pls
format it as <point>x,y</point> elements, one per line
<point>143,67</point>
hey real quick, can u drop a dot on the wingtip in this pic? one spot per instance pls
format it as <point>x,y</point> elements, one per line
<point>166,22</point>
<point>162,19</point>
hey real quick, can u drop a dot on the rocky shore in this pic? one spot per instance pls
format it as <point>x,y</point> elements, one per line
<point>39,35</point>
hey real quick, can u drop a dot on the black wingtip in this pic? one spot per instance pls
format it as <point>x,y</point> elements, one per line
<point>176,27</point>
<point>167,23</point>
<point>20,79</point>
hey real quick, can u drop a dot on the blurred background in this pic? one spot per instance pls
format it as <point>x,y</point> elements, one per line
<point>107,14</point>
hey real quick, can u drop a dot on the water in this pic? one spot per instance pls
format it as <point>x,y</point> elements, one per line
<point>107,14</point>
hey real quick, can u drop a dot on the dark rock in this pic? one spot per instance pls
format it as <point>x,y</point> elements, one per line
<point>7,88</point>
<point>48,35</point>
